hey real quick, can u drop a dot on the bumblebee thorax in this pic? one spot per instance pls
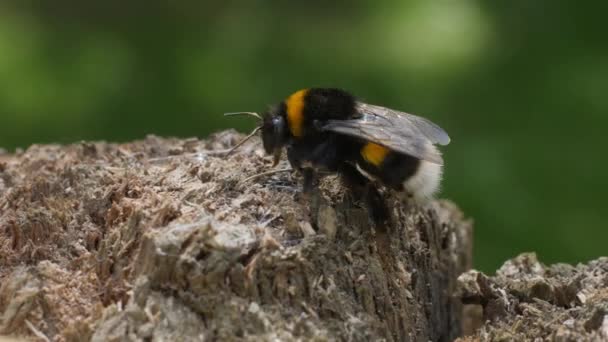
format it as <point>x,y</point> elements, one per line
<point>294,108</point>
<point>305,106</point>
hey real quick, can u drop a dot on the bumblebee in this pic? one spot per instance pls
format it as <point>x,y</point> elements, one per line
<point>329,129</point>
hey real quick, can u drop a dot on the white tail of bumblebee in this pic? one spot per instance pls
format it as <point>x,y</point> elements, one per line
<point>425,183</point>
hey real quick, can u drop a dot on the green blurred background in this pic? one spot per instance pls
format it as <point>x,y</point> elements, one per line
<point>519,85</point>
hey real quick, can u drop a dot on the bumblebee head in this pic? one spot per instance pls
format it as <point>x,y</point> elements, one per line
<point>274,133</point>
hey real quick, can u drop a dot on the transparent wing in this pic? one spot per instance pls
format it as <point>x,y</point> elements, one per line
<point>399,131</point>
<point>431,131</point>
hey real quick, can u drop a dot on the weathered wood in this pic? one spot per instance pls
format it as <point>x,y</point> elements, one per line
<point>164,239</point>
<point>528,301</point>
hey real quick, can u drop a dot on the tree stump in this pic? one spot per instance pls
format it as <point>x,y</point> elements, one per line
<point>528,301</point>
<point>167,239</point>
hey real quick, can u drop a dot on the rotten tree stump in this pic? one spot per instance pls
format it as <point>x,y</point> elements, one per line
<point>529,301</point>
<point>162,239</point>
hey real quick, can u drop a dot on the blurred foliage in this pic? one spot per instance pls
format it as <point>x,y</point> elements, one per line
<point>519,85</point>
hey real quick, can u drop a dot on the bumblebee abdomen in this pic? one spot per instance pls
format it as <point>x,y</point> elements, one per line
<point>374,154</point>
<point>423,184</point>
<point>419,178</point>
<point>390,167</point>
<point>402,172</point>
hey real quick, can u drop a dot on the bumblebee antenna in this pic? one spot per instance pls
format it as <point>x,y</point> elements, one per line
<point>255,130</point>
<point>271,172</point>
<point>244,113</point>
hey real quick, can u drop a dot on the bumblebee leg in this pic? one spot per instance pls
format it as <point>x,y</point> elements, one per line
<point>299,160</point>
<point>363,188</point>
<point>309,180</point>
<point>378,210</point>
<point>353,180</point>
<point>294,159</point>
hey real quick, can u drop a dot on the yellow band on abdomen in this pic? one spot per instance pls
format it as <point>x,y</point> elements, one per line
<point>374,153</point>
<point>295,112</point>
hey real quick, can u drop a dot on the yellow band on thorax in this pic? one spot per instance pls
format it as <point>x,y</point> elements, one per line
<point>374,153</point>
<point>295,112</point>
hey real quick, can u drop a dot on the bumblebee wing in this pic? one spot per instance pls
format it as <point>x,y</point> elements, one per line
<point>400,132</point>
<point>428,129</point>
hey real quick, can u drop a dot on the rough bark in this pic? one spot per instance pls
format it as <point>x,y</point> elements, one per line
<point>165,239</point>
<point>528,301</point>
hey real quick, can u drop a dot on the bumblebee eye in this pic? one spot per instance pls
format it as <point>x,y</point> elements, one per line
<point>278,123</point>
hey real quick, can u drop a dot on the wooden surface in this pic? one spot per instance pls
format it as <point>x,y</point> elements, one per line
<point>164,239</point>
